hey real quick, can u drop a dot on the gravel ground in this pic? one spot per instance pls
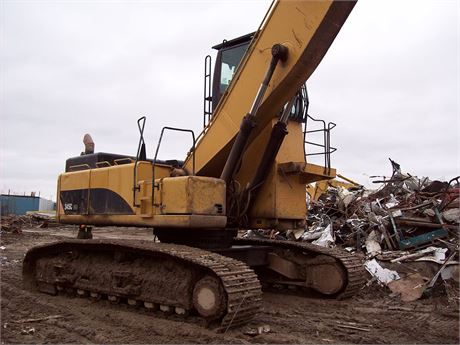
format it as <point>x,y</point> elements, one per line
<point>370,317</point>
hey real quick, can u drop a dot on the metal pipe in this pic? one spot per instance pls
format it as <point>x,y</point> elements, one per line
<point>279,52</point>
<point>140,155</point>
<point>279,131</point>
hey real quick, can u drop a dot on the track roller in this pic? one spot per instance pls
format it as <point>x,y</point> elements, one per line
<point>133,302</point>
<point>113,299</point>
<point>95,296</point>
<point>150,306</point>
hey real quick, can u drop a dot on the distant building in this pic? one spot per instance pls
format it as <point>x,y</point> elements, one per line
<point>20,204</point>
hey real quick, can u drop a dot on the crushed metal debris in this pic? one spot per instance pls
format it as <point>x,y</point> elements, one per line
<point>408,229</point>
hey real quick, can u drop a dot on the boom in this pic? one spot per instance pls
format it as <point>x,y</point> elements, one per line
<point>307,29</point>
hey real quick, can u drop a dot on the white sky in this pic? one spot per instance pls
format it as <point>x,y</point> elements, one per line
<point>390,82</point>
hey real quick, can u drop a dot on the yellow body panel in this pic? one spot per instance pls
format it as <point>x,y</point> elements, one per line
<point>192,195</point>
<point>187,201</point>
<point>117,178</point>
<point>75,180</point>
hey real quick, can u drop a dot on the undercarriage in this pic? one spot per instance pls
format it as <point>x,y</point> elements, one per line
<point>221,287</point>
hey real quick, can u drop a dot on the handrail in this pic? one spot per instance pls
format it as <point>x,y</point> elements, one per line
<point>102,164</point>
<point>326,129</point>
<point>158,148</point>
<point>80,166</point>
<point>140,126</point>
<point>124,159</point>
<point>207,102</point>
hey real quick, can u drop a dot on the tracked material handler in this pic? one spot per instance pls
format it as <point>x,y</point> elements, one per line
<point>247,169</point>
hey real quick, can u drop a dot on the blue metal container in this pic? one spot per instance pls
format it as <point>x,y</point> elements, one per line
<point>18,204</point>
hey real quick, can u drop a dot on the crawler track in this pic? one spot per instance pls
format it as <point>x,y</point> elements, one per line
<point>155,274</point>
<point>352,264</point>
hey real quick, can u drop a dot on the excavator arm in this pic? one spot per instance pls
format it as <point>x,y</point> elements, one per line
<point>262,160</point>
<point>306,29</point>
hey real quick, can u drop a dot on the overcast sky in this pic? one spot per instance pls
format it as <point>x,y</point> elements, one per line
<point>390,82</point>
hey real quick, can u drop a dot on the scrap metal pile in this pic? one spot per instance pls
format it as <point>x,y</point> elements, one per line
<point>406,212</point>
<point>405,222</point>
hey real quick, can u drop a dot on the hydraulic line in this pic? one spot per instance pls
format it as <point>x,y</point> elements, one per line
<point>272,148</point>
<point>277,135</point>
<point>279,52</point>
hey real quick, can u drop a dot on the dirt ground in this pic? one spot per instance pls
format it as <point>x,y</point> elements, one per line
<point>371,317</point>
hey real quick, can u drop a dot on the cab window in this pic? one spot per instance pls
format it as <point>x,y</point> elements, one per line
<point>230,60</point>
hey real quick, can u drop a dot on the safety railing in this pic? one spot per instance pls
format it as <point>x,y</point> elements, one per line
<point>140,155</point>
<point>320,147</point>
<point>323,148</point>
<point>79,167</point>
<point>158,148</point>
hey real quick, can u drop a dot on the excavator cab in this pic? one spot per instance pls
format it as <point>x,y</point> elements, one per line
<point>229,55</point>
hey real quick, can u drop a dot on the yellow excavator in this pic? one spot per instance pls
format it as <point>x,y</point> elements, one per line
<point>246,170</point>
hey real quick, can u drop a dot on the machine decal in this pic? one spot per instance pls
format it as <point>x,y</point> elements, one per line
<point>101,201</point>
<point>75,201</point>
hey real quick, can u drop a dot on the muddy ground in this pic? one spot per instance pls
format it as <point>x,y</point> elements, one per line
<point>371,317</point>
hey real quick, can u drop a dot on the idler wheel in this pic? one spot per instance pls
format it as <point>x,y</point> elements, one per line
<point>326,275</point>
<point>209,298</point>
